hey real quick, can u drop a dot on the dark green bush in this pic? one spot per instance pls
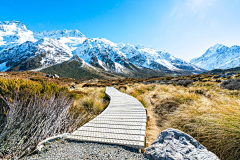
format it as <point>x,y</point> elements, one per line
<point>184,82</point>
<point>231,84</point>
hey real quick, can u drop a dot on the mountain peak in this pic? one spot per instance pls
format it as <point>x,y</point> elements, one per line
<point>219,57</point>
<point>139,46</point>
<point>217,46</point>
<point>12,26</point>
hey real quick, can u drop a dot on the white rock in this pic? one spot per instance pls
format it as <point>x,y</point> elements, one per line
<point>173,144</point>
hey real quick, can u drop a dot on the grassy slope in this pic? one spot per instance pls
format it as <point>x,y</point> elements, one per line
<point>72,69</point>
<point>204,110</point>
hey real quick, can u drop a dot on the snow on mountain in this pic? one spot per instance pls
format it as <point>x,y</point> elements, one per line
<point>52,52</point>
<point>112,55</point>
<point>219,57</point>
<point>12,26</point>
<point>72,42</point>
<point>72,38</point>
<point>102,53</point>
<point>154,59</point>
<point>18,45</point>
<point>14,33</point>
<point>41,54</point>
<point>57,33</point>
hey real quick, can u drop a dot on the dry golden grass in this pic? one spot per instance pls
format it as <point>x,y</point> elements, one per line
<point>204,110</point>
<point>93,102</point>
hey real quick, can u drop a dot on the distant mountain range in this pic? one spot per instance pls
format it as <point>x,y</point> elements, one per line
<point>50,51</point>
<point>219,57</point>
<point>22,49</point>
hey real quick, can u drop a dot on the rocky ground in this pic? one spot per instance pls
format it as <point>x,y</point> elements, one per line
<point>63,149</point>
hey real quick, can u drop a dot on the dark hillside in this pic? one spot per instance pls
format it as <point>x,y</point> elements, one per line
<point>222,71</point>
<point>74,69</point>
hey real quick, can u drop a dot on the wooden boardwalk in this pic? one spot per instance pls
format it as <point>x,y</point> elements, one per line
<point>123,122</point>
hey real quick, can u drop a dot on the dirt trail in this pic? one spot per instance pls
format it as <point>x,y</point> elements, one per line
<point>152,130</point>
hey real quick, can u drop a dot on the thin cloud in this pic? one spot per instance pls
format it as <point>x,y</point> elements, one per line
<point>199,7</point>
<point>196,8</point>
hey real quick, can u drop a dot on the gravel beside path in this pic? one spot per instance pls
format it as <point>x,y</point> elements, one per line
<point>64,149</point>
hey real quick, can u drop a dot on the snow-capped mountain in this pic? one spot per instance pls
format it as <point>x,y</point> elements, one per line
<point>22,49</point>
<point>219,57</point>
<point>121,57</point>
<point>29,55</point>
<point>154,59</point>
<point>13,33</point>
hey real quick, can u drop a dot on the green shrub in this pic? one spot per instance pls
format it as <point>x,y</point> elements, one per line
<point>9,86</point>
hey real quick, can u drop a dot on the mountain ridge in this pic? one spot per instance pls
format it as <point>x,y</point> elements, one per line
<point>39,50</point>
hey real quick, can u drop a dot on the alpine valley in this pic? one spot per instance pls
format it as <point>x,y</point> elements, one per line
<point>70,53</point>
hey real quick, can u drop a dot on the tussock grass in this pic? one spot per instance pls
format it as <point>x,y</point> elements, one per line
<point>91,102</point>
<point>204,110</point>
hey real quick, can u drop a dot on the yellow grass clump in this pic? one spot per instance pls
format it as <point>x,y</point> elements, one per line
<point>92,103</point>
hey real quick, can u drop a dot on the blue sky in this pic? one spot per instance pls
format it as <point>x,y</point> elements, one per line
<point>184,28</point>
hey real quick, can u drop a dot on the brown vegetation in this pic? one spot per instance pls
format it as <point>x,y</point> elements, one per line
<point>180,80</point>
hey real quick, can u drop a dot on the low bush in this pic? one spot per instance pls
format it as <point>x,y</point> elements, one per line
<point>231,84</point>
<point>31,111</point>
<point>21,86</point>
<point>30,119</point>
<point>38,79</point>
<point>90,85</point>
<point>77,94</point>
<point>122,87</point>
<point>184,83</point>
